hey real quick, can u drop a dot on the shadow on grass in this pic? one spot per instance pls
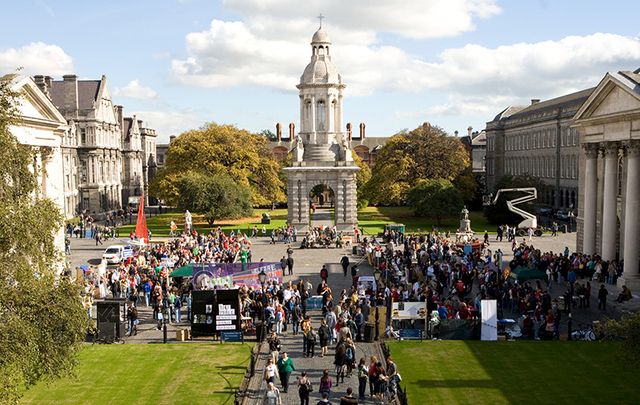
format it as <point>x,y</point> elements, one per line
<point>456,383</point>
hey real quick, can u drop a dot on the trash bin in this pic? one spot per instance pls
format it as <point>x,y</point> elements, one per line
<point>368,332</point>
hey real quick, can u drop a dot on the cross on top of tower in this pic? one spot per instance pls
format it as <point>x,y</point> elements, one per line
<point>321,17</point>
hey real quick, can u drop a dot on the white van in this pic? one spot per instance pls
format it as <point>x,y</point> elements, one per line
<point>117,253</point>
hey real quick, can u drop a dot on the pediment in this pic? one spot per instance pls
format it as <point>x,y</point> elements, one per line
<point>34,105</point>
<point>610,98</point>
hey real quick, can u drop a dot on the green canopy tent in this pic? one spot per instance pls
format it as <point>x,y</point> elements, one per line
<point>184,271</point>
<point>526,273</point>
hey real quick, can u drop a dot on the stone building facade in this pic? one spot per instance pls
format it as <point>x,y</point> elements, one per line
<point>609,210</point>
<point>321,154</point>
<point>41,126</point>
<point>106,157</point>
<point>538,140</point>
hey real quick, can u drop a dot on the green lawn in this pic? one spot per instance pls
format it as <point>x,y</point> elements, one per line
<point>150,374</point>
<point>373,219</point>
<point>474,372</point>
<point>159,224</point>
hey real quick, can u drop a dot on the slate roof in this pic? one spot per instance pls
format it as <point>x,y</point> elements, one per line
<point>87,93</point>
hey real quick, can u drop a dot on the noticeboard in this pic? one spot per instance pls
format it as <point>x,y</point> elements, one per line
<point>227,311</point>
<point>409,310</point>
<point>231,337</point>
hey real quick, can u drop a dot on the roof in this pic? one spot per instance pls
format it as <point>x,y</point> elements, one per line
<point>87,93</point>
<point>507,112</point>
<point>320,37</point>
<point>127,126</point>
<point>578,97</point>
<point>629,79</point>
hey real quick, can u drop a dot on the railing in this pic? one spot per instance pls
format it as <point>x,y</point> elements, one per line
<point>241,392</point>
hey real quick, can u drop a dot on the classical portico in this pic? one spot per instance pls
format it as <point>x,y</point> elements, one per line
<point>321,153</point>
<point>609,125</point>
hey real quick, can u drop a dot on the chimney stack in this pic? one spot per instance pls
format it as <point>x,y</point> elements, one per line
<point>470,131</point>
<point>426,126</point>
<point>362,130</point>
<point>278,132</point>
<point>535,101</point>
<point>292,131</point>
<point>171,138</point>
<point>70,91</point>
<point>455,133</point>
<point>42,84</point>
<point>349,132</point>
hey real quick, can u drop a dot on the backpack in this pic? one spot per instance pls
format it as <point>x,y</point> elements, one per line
<point>349,354</point>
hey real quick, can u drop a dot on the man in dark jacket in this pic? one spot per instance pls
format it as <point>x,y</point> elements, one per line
<point>345,264</point>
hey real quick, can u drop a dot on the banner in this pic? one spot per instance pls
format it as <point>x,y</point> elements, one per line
<point>408,310</point>
<point>209,276</point>
<point>489,318</point>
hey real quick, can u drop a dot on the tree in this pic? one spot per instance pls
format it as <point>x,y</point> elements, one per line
<point>42,322</point>
<point>436,199</point>
<point>267,133</point>
<point>216,197</point>
<point>427,152</point>
<point>221,150</point>
<point>362,177</point>
<point>627,331</point>
<point>499,213</point>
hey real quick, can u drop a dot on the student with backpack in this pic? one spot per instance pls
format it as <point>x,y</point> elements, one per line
<point>312,337</point>
<point>304,388</point>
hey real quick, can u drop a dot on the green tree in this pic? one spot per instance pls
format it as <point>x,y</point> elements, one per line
<point>626,330</point>
<point>267,133</point>
<point>499,213</point>
<point>362,177</point>
<point>427,152</point>
<point>42,322</point>
<point>221,150</point>
<point>436,199</point>
<point>216,197</point>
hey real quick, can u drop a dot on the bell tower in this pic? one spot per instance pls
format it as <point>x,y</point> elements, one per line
<point>321,153</point>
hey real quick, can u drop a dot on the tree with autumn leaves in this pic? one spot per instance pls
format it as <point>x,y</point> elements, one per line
<point>220,151</point>
<point>409,159</point>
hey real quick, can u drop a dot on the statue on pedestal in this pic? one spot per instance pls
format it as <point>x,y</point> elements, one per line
<point>298,150</point>
<point>346,152</point>
<point>465,222</point>
<point>187,221</point>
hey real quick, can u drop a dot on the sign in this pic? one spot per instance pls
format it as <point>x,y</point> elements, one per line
<point>227,311</point>
<point>489,319</point>
<point>231,337</point>
<point>314,302</point>
<point>127,252</point>
<point>208,276</point>
<point>410,334</point>
<point>366,283</point>
<point>409,310</point>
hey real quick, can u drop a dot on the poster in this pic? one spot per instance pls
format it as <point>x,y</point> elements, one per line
<point>227,310</point>
<point>366,283</point>
<point>210,276</point>
<point>489,319</point>
<point>409,310</point>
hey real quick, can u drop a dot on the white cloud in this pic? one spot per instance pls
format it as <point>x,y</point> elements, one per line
<point>268,46</point>
<point>36,58</point>
<point>171,122</point>
<point>135,90</point>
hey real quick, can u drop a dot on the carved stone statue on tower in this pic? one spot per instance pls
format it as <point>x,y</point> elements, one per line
<point>298,150</point>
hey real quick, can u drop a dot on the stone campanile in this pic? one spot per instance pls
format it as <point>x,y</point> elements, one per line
<point>321,152</point>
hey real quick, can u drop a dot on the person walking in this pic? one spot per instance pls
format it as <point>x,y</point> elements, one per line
<point>325,384</point>
<point>602,297</point>
<point>312,338</point>
<point>324,273</point>
<point>285,368</point>
<point>270,372</point>
<point>290,265</point>
<point>345,264</point>
<point>272,396</point>
<point>324,334</point>
<point>132,316</point>
<point>304,388</point>
<point>363,374</point>
<point>348,399</point>
<point>274,346</point>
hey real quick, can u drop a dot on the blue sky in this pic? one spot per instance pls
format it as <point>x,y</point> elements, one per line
<point>455,63</point>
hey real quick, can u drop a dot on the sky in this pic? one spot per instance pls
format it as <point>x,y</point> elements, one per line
<point>177,64</point>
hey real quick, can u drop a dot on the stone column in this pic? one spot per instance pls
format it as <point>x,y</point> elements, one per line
<point>313,119</point>
<point>632,213</point>
<point>610,202</point>
<point>590,199</point>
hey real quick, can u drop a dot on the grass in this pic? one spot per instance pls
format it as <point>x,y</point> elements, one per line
<point>373,219</point>
<point>474,372</point>
<point>149,374</point>
<point>159,224</point>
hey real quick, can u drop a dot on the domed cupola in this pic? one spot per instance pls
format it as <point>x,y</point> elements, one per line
<point>320,69</point>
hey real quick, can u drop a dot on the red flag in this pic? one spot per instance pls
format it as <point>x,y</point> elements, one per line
<point>141,222</point>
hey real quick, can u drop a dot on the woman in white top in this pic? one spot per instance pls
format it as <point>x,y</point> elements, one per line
<point>272,396</point>
<point>270,372</point>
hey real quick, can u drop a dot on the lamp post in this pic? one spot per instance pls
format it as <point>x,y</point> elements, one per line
<point>263,279</point>
<point>376,275</point>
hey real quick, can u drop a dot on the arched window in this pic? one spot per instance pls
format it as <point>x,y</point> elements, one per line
<point>321,116</point>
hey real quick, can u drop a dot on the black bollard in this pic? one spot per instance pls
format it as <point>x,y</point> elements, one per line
<point>164,331</point>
